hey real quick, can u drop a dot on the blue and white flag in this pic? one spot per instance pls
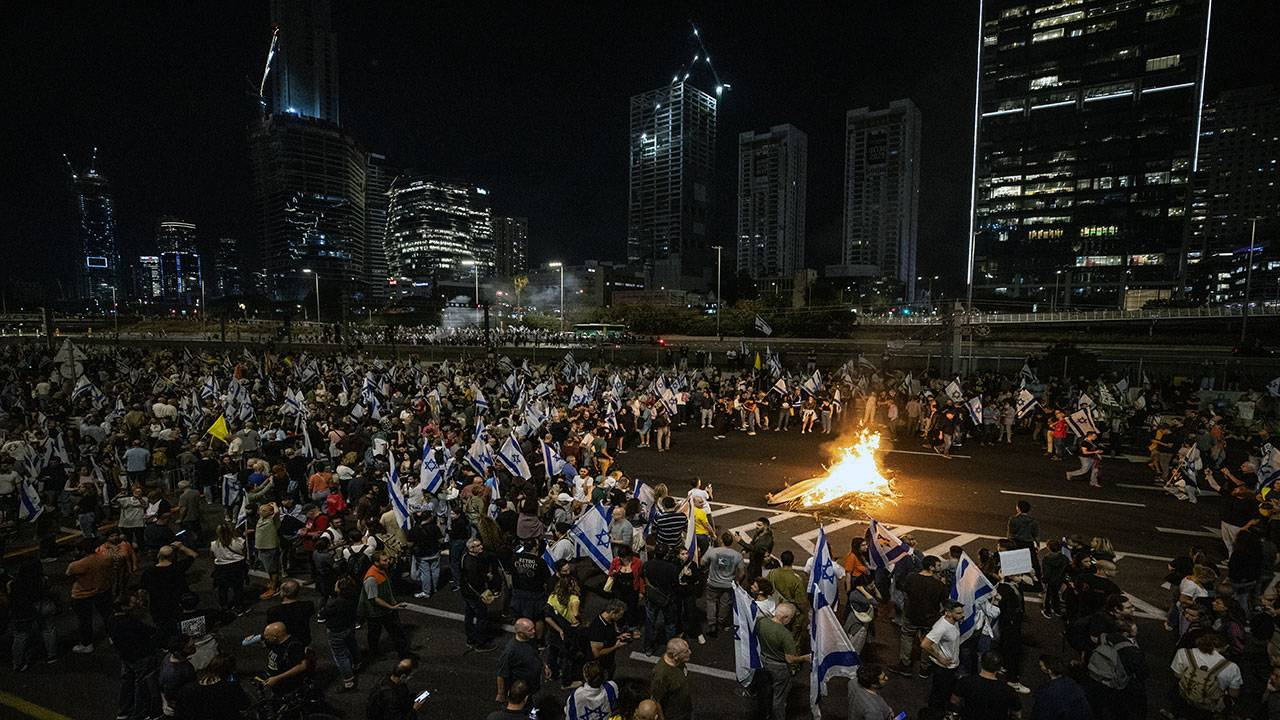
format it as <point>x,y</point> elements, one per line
<point>495,495</point>
<point>969,587</point>
<point>775,365</point>
<point>1268,463</point>
<point>480,457</point>
<point>886,549</point>
<point>1081,422</point>
<point>761,325</point>
<point>907,386</point>
<point>611,418</point>
<point>822,581</point>
<point>369,390</point>
<point>1028,375</point>
<point>579,396</point>
<point>481,403</point>
<point>230,490</point>
<point>30,506</point>
<point>974,408</point>
<point>669,400</point>
<point>1085,401</point>
<point>833,655</point>
<point>83,388</point>
<point>643,493</point>
<point>513,460</point>
<point>813,383</point>
<point>746,645</point>
<point>431,474</point>
<point>55,446</point>
<point>396,493</point>
<point>1026,402</point>
<point>555,465</point>
<point>691,532</point>
<point>1273,387</point>
<point>590,535</point>
<point>780,387</point>
<point>534,417</point>
<point>954,392</point>
<point>209,388</point>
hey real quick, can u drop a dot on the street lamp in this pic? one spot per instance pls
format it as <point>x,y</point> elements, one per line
<point>475,274</point>
<point>719,299</point>
<point>309,271</point>
<point>560,266</point>
<point>1248,278</point>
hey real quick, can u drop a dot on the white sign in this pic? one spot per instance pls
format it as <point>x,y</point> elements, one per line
<point>1015,562</point>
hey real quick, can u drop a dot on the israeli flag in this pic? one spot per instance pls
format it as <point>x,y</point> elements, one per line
<point>763,326</point>
<point>644,494</point>
<point>55,446</point>
<point>954,392</point>
<point>511,385</point>
<point>906,384</point>
<point>495,495</point>
<point>431,474</point>
<point>1107,398</point>
<point>1026,401</point>
<point>691,532</point>
<point>611,418</point>
<point>618,386</point>
<point>480,456</point>
<point>555,465</point>
<point>886,549</point>
<point>369,390</point>
<point>822,581</point>
<point>1081,422</point>
<point>780,387</point>
<point>775,365</point>
<point>812,384</point>
<point>534,417</point>
<point>396,493</point>
<point>230,490</point>
<point>1085,401</point>
<point>513,460</point>
<point>1268,463</point>
<point>83,387</point>
<point>590,535</point>
<point>866,364</point>
<point>746,644</point>
<point>481,403</point>
<point>291,406</point>
<point>578,396</point>
<point>833,655</point>
<point>1028,375</point>
<point>209,389</point>
<point>30,506</point>
<point>1273,387</point>
<point>480,433</point>
<point>974,407</point>
<point>969,587</point>
<point>375,412</point>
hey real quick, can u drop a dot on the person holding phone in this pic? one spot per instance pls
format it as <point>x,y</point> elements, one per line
<point>392,699</point>
<point>606,638</point>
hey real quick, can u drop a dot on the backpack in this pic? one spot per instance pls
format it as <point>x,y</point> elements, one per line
<point>355,564</point>
<point>1105,666</point>
<point>1199,685</point>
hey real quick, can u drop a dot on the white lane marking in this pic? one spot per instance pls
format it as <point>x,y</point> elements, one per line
<point>1156,558</point>
<point>943,548</point>
<point>446,614</point>
<point>928,454</point>
<point>1076,499</point>
<point>1163,489</point>
<point>1207,532</point>
<point>701,669</point>
<point>1146,609</point>
<point>809,539</point>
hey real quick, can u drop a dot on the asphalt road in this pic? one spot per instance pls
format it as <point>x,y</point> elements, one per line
<point>965,500</point>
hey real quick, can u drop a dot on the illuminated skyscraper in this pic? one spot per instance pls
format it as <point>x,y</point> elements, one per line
<point>98,261</point>
<point>772,167</point>
<point>510,246</point>
<point>436,228</point>
<point>377,186</point>
<point>180,272</point>
<point>881,194</point>
<point>309,183</point>
<point>1088,119</point>
<point>227,275</point>
<point>304,72</point>
<point>148,283</point>
<point>672,154</point>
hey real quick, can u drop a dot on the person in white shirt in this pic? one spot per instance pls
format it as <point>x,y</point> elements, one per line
<point>1203,664</point>
<point>942,646</point>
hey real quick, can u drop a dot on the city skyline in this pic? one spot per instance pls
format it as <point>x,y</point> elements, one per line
<point>197,167</point>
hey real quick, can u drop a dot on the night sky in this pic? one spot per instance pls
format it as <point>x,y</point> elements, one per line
<point>528,100</point>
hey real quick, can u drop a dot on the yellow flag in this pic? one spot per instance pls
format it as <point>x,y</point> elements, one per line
<point>757,360</point>
<point>219,428</point>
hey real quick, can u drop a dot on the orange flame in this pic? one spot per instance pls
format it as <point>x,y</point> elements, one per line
<point>855,475</point>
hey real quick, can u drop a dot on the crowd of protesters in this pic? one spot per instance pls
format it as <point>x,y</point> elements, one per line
<point>375,480</point>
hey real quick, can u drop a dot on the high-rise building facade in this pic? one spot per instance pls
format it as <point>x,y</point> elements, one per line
<point>1236,183</point>
<point>180,270</point>
<point>377,187</point>
<point>881,194</point>
<point>304,71</point>
<point>437,229</point>
<point>98,264</point>
<point>309,185</point>
<point>510,246</point>
<point>148,281</point>
<point>1087,139</point>
<point>772,171</point>
<point>228,271</point>
<point>672,156</point>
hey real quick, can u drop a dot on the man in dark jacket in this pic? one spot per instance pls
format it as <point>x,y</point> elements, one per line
<point>393,700</point>
<point>136,643</point>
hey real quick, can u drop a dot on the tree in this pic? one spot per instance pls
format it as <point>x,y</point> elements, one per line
<point>519,282</point>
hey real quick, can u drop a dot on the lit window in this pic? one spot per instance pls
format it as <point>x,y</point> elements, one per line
<point>1164,62</point>
<point>1156,178</point>
<point>1161,13</point>
<point>988,40</point>
<point>1099,261</point>
<point>1045,81</point>
<point>1057,20</point>
<point>1013,12</point>
<point>1147,259</point>
<point>1047,35</point>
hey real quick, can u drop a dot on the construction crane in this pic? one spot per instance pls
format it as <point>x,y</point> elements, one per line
<point>266,69</point>
<point>704,57</point>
